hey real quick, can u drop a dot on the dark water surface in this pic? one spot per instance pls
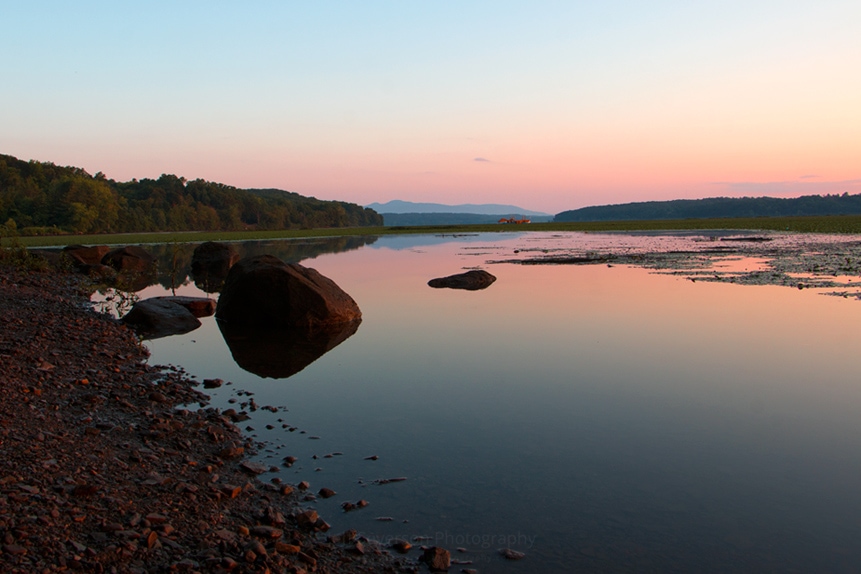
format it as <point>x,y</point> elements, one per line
<point>598,418</point>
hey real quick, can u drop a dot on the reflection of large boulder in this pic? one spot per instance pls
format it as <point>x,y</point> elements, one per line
<point>210,264</point>
<point>264,291</point>
<point>160,317</point>
<point>471,281</point>
<point>280,353</point>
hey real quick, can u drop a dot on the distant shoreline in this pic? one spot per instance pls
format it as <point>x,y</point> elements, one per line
<point>843,224</point>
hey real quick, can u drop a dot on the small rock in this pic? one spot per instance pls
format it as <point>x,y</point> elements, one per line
<point>253,467</point>
<point>307,518</point>
<point>230,491</point>
<point>438,559</point>
<point>284,548</point>
<point>231,452</point>
<point>151,539</point>
<point>510,554</point>
<point>327,493</point>
<point>266,532</point>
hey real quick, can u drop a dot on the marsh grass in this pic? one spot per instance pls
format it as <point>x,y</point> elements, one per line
<point>801,224</point>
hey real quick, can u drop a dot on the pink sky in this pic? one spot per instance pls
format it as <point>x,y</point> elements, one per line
<point>548,107</point>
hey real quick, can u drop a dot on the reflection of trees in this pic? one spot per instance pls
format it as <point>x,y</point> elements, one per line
<point>174,259</point>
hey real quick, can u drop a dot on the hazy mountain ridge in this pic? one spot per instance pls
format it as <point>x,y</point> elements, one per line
<point>715,207</point>
<point>401,206</point>
<point>402,219</point>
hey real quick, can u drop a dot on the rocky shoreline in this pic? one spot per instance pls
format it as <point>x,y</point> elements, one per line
<point>108,464</point>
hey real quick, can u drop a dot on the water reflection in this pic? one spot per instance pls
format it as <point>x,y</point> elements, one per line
<point>605,418</point>
<point>281,353</point>
<point>174,261</point>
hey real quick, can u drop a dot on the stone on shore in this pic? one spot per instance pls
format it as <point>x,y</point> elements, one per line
<point>473,280</point>
<point>438,559</point>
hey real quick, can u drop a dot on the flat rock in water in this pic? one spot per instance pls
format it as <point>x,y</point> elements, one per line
<point>510,554</point>
<point>474,280</point>
<point>198,306</point>
<point>155,318</point>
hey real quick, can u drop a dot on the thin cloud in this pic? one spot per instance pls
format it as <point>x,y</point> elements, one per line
<point>790,187</point>
<point>809,177</point>
<point>481,159</point>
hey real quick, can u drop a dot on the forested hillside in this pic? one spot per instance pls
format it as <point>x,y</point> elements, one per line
<point>40,197</point>
<point>719,207</point>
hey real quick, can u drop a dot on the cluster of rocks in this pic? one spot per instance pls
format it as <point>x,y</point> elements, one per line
<point>108,464</point>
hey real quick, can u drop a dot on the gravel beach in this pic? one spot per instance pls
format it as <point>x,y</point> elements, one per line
<point>108,464</point>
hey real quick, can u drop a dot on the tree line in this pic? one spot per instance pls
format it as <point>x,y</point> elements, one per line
<point>719,207</point>
<point>40,198</point>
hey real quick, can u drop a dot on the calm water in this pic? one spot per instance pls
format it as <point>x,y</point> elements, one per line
<point>596,418</point>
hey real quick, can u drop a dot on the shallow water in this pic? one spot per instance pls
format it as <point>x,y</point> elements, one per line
<point>595,417</point>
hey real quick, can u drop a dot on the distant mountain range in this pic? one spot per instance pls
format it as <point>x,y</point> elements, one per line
<point>715,207</point>
<point>401,213</point>
<point>399,206</point>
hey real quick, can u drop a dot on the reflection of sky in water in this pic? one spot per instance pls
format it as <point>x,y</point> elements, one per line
<point>602,417</point>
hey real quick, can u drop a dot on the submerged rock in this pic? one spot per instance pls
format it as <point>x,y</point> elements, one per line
<point>471,281</point>
<point>264,291</point>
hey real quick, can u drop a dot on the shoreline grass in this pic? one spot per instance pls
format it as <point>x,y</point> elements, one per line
<point>844,224</point>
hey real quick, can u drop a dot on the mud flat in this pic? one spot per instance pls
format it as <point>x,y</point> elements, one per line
<point>108,464</point>
<point>829,263</point>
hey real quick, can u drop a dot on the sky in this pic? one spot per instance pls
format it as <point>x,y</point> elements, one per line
<point>546,105</point>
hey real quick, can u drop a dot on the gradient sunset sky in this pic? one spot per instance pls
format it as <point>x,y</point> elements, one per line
<point>547,105</point>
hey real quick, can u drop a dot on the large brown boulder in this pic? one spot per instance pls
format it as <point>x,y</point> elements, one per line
<point>264,291</point>
<point>160,317</point>
<point>471,281</point>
